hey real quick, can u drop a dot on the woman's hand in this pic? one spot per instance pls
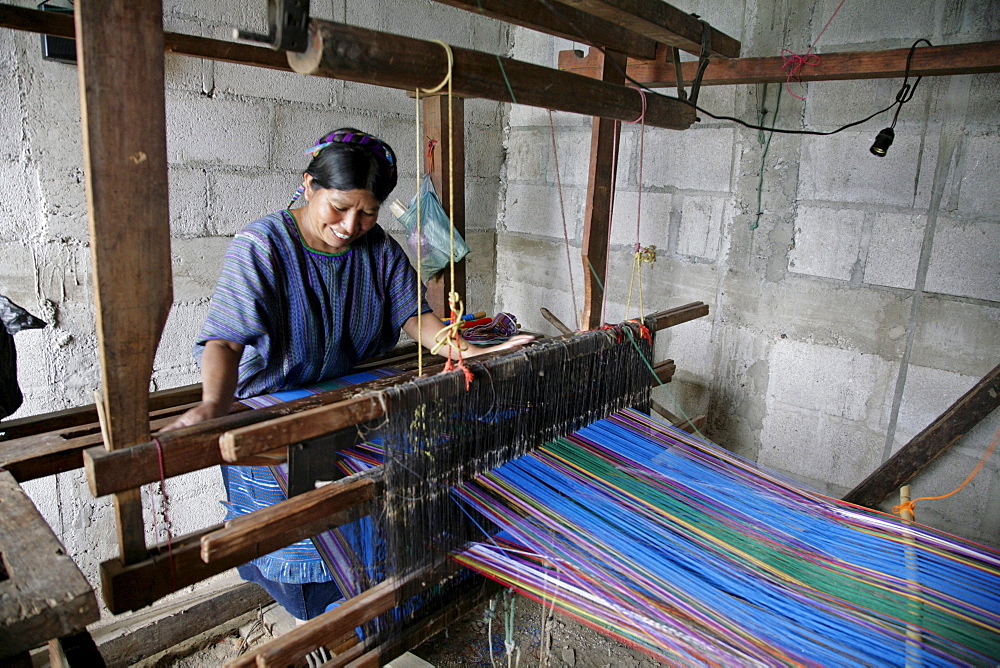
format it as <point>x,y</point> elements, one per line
<point>205,410</point>
<point>430,325</point>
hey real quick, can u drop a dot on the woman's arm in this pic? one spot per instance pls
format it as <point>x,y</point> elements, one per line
<point>430,325</point>
<point>220,364</point>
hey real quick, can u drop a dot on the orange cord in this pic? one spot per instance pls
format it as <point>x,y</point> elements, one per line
<point>910,505</point>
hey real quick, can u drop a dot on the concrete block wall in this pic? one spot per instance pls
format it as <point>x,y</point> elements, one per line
<point>235,141</point>
<point>856,308</point>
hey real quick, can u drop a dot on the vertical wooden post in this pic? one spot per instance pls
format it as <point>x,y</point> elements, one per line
<point>120,51</point>
<point>597,221</point>
<point>435,117</point>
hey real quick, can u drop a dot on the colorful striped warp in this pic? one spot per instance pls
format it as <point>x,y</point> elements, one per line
<point>698,557</point>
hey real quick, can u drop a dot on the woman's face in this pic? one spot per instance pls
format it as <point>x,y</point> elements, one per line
<point>333,219</point>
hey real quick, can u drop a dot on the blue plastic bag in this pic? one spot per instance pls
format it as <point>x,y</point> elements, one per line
<point>435,228</point>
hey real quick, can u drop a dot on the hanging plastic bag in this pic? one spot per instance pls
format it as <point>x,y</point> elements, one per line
<point>435,230</point>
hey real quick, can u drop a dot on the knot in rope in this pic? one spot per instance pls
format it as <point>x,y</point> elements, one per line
<point>646,254</point>
<point>908,506</point>
<point>793,67</point>
<point>449,336</point>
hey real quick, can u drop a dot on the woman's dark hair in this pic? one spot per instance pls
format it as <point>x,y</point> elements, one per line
<point>348,159</point>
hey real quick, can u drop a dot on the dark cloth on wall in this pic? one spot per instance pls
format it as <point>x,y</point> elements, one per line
<point>14,319</point>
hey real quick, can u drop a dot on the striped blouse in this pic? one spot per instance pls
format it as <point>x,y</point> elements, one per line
<point>303,317</point>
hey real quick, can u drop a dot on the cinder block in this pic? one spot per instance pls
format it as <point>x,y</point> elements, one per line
<point>62,271</point>
<point>239,198</point>
<point>183,73</point>
<point>523,116</point>
<point>703,220</point>
<point>831,381</point>
<point>196,264</point>
<point>653,220</point>
<point>530,156</point>
<point>978,193</point>
<point>672,281</point>
<point>536,210</point>
<point>361,98</point>
<point>536,47</point>
<point>179,334</point>
<point>532,273</point>
<point>832,103</point>
<point>862,23</point>
<point>965,259</point>
<point>241,80</point>
<point>17,208</point>
<point>484,154</point>
<point>840,168</point>
<point>296,129</point>
<point>189,209</point>
<point>693,159</point>
<point>813,445</point>
<point>826,242</point>
<point>985,90</point>
<point>221,132</point>
<point>481,201</point>
<point>927,394</point>
<point>894,249</point>
<point>12,115</point>
<point>231,13</point>
<point>958,336</point>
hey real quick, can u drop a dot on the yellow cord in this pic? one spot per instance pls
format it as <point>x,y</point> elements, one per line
<point>455,305</point>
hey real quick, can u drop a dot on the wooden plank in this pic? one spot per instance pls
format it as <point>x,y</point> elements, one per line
<point>264,531</point>
<point>569,23</point>
<point>664,371</point>
<point>926,446</point>
<point>604,138</point>
<point>120,55</point>
<point>75,650</point>
<point>287,648</point>
<point>43,595</point>
<point>678,315</point>
<point>160,629</point>
<point>357,54</point>
<point>972,58</point>
<point>436,127</point>
<point>660,22</point>
<point>87,415</point>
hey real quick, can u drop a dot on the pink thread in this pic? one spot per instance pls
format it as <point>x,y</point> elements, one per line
<point>166,506</point>
<point>642,150</point>
<point>642,116</point>
<point>795,62</point>
<point>562,212</point>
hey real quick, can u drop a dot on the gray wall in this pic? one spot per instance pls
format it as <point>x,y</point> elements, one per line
<point>865,302</point>
<point>235,144</point>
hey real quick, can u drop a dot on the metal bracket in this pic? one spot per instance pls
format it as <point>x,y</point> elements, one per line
<point>706,50</point>
<point>288,26</point>
<point>316,460</point>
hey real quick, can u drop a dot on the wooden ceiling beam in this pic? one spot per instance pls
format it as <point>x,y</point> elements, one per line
<point>568,23</point>
<point>352,53</point>
<point>660,22</point>
<point>972,58</point>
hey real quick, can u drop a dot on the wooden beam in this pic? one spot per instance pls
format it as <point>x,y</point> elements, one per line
<point>84,416</point>
<point>43,595</point>
<point>357,54</point>
<point>660,22</point>
<point>678,315</point>
<point>120,55</point>
<point>664,371</point>
<point>77,650</point>
<point>268,529</point>
<point>568,23</point>
<point>973,58</point>
<point>926,446</point>
<point>61,25</point>
<point>436,127</point>
<point>604,136</point>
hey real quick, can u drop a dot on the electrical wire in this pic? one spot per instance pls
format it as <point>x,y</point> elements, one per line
<point>720,117</point>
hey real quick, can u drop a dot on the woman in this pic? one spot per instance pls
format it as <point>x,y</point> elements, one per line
<point>304,295</point>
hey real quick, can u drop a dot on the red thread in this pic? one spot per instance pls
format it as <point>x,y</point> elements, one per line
<point>431,143</point>
<point>794,62</point>
<point>166,506</point>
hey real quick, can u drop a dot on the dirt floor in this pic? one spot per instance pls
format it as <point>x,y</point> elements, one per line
<point>478,640</point>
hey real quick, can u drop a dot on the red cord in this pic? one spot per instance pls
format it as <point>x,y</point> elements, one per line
<point>166,506</point>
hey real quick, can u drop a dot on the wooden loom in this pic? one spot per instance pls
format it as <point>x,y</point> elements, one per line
<point>128,159</point>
